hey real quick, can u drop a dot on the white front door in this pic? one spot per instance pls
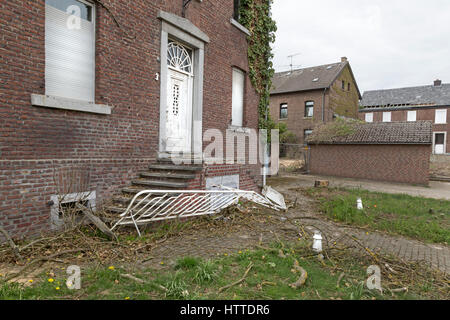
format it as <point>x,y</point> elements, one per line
<point>179,99</point>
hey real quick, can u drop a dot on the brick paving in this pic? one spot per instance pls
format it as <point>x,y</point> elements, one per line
<point>205,243</point>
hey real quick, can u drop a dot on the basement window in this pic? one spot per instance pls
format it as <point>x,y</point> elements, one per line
<point>66,204</point>
<point>386,116</point>
<point>369,117</point>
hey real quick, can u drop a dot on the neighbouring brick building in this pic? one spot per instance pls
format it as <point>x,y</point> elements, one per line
<point>93,92</point>
<point>308,97</point>
<point>412,104</point>
<point>394,152</point>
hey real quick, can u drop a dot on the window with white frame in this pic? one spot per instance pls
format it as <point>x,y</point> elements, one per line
<point>309,109</point>
<point>386,117</point>
<point>283,111</point>
<point>412,116</point>
<point>369,117</point>
<point>238,98</point>
<point>441,116</point>
<point>70,49</point>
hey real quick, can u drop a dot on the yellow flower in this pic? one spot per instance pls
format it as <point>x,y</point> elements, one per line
<point>127,298</point>
<point>225,254</point>
<point>51,280</point>
<point>1,275</point>
<point>367,233</point>
<point>240,252</point>
<point>162,263</point>
<point>30,281</point>
<point>111,267</point>
<point>57,288</point>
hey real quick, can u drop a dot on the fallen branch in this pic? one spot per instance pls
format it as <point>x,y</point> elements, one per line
<point>250,266</point>
<point>97,221</point>
<point>131,277</point>
<point>13,246</point>
<point>338,283</point>
<point>49,258</point>
<point>303,276</point>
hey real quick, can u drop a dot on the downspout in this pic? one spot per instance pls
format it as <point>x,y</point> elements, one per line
<point>323,104</point>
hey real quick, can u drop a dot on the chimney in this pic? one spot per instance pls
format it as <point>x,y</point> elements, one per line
<point>437,83</point>
<point>344,59</point>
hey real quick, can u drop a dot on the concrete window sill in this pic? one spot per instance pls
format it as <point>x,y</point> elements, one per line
<point>238,129</point>
<point>68,104</point>
<point>239,26</point>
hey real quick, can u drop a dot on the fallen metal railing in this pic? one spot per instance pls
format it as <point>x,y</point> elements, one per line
<point>156,205</point>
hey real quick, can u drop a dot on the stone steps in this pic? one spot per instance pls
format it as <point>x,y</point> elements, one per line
<point>163,175</point>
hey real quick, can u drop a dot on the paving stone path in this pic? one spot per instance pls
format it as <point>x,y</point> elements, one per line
<point>203,243</point>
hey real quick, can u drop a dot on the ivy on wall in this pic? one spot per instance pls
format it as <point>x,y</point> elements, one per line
<point>255,16</point>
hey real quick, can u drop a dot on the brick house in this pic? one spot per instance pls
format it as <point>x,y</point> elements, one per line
<point>431,102</point>
<point>305,98</point>
<point>104,92</point>
<point>393,152</point>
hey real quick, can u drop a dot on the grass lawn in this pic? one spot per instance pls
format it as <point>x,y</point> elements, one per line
<point>193,278</point>
<point>415,217</point>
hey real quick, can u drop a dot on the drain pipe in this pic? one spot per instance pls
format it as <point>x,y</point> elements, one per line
<point>266,147</point>
<point>323,104</point>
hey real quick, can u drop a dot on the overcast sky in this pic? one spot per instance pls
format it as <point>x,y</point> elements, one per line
<point>389,43</point>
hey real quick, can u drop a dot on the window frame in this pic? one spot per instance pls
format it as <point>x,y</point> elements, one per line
<point>445,141</point>
<point>371,114</point>
<point>390,116</point>
<point>283,106</point>
<point>93,6</point>
<point>444,111</point>
<point>244,75</point>
<point>408,113</point>
<point>306,135</point>
<point>307,107</point>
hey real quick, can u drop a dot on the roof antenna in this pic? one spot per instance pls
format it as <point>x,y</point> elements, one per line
<point>292,57</point>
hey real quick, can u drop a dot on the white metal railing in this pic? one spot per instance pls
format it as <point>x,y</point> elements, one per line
<point>156,205</point>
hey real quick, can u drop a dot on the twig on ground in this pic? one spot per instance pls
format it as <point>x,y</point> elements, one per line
<point>13,246</point>
<point>303,276</point>
<point>250,266</point>
<point>49,258</point>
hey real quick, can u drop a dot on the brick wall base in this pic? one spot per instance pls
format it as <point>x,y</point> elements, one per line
<point>393,163</point>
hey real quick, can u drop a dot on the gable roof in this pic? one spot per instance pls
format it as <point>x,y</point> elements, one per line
<point>413,96</point>
<point>312,78</point>
<point>419,132</point>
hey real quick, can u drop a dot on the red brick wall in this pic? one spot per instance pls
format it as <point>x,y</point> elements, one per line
<point>422,114</point>
<point>296,121</point>
<point>393,163</point>
<point>35,141</point>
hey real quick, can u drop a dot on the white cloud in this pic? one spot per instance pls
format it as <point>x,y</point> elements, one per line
<point>390,43</point>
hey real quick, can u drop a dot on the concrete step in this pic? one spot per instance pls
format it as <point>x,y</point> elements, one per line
<point>125,201</point>
<point>172,167</point>
<point>133,190</point>
<point>160,183</point>
<point>167,175</point>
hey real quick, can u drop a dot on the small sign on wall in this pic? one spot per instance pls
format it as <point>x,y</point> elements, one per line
<point>231,181</point>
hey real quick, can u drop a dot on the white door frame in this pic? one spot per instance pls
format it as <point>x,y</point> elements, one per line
<point>445,141</point>
<point>182,30</point>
